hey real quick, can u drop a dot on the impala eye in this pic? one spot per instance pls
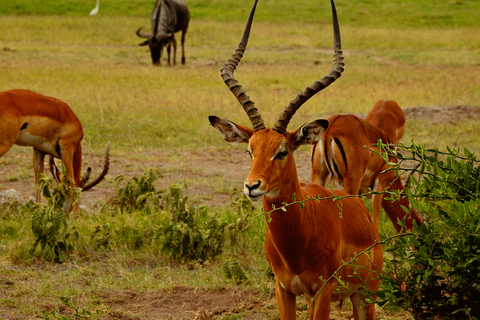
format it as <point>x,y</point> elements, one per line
<point>281,155</point>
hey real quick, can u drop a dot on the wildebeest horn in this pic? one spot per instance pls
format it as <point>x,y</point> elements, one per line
<point>227,75</point>
<point>336,71</point>
<point>143,35</point>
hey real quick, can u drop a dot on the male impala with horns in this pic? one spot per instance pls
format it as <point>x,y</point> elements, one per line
<point>309,246</point>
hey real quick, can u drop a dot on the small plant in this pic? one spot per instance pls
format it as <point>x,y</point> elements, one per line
<point>198,233</point>
<point>192,233</point>
<point>49,225</point>
<point>233,270</point>
<point>138,193</point>
<point>79,315</point>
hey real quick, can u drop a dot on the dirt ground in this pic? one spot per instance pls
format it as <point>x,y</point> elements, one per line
<point>208,176</point>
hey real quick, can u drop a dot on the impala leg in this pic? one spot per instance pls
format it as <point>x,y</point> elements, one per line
<point>362,311</point>
<point>38,169</point>
<point>394,209</point>
<point>69,161</point>
<point>321,304</point>
<point>285,302</point>
<point>377,199</point>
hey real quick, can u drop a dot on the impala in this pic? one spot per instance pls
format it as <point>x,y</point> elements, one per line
<point>341,157</point>
<point>309,246</point>
<point>50,127</point>
<point>388,117</point>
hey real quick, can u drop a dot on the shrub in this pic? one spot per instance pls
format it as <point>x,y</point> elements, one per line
<point>50,228</point>
<point>138,193</point>
<point>199,233</point>
<point>435,271</point>
<point>192,233</point>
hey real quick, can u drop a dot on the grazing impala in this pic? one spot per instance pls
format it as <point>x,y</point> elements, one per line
<point>50,127</point>
<point>341,157</point>
<point>388,117</point>
<point>306,245</point>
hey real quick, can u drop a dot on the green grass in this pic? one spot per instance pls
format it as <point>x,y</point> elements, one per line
<point>95,65</point>
<point>395,13</point>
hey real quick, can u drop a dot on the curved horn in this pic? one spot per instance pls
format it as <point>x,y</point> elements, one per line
<point>54,170</point>
<point>103,173</point>
<point>336,71</point>
<point>143,35</point>
<point>227,75</point>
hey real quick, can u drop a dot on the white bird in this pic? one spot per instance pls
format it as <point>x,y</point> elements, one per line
<point>95,10</point>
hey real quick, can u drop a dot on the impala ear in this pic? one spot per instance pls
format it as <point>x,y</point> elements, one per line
<point>231,132</point>
<point>310,133</point>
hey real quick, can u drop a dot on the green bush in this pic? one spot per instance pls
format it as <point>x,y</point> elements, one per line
<point>138,193</point>
<point>199,233</point>
<point>52,233</point>
<point>192,233</point>
<point>435,271</point>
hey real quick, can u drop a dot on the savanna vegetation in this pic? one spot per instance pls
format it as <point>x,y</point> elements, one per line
<point>169,216</point>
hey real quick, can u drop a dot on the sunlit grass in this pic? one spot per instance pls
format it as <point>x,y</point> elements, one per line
<point>119,97</point>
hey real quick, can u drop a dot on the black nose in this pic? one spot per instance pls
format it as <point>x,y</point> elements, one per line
<point>253,187</point>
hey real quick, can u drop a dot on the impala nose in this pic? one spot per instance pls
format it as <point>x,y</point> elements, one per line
<point>252,190</point>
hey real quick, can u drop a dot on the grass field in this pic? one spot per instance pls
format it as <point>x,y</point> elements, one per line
<point>417,52</point>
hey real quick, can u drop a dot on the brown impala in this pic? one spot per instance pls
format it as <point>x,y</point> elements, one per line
<point>341,157</point>
<point>50,127</point>
<point>307,248</point>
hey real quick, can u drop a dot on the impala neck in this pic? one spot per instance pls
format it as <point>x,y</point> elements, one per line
<point>288,228</point>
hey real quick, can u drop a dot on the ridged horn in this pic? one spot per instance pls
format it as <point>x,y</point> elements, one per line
<point>227,75</point>
<point>336,71</point>
<point>102,175</point>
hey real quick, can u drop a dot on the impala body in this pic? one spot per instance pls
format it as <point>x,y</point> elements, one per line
<point>342,158</point>
<point>49,126</point>
<point>168,17</point>
<point>308,248</point>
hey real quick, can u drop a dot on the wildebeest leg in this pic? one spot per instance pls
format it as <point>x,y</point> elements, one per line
<point>168,51</point>
<point>183,47</point>
<point>174,41</point>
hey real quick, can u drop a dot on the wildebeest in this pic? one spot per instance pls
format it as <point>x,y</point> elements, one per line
<point>168,17</point>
